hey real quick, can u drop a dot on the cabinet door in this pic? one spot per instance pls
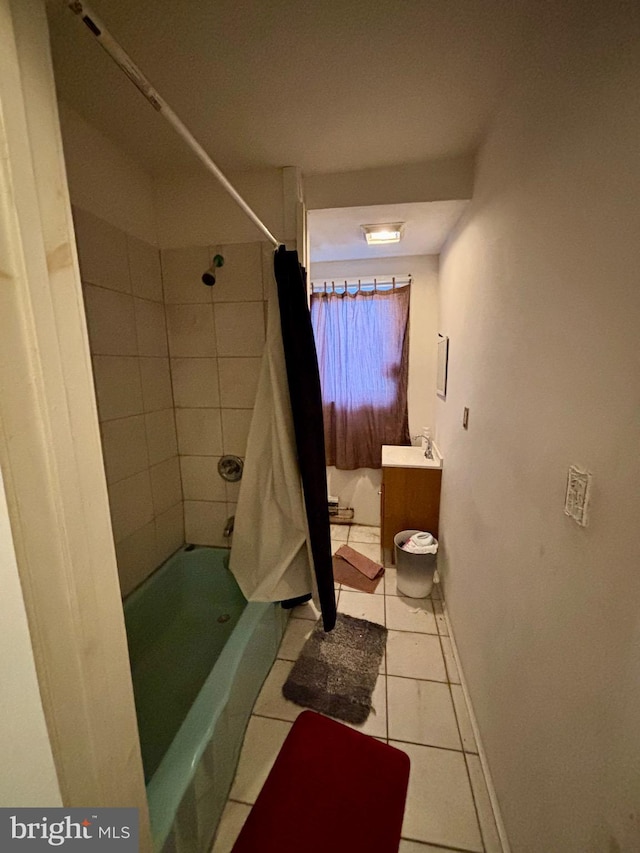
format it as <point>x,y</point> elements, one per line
<point>411,501</point>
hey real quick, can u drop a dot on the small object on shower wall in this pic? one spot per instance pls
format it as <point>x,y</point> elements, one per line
<point>209,277</point>
<point>465,418</point>
<point>576,501</point>
<point>443,359</point>
<point>230,468</point>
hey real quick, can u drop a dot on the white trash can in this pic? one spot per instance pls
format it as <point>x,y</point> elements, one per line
<point>415,571</point>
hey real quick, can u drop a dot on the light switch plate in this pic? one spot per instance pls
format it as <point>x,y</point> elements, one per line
<point>578,492</point>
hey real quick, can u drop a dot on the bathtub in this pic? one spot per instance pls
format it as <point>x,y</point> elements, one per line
<point>199,655</point>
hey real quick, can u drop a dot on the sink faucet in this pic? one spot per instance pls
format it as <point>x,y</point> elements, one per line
<point>228,528</point>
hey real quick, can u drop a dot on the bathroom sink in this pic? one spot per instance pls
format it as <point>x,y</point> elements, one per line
<point>401,456</point>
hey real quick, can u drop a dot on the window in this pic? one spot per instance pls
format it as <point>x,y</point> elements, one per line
<point>362,339</point>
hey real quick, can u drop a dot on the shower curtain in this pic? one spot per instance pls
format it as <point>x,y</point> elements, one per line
<point>281,541</point>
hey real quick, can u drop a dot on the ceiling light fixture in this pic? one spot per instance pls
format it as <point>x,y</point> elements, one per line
<point>389,232</point>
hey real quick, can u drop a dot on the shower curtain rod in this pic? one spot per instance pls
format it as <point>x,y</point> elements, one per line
<point>126,64</point>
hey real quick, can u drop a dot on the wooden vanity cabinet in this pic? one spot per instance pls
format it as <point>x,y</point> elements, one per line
<point>410,499</point>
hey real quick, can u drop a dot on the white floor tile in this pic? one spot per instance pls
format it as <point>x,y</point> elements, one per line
<point>336,543</point>
<point>362,606</point>
<point>415,656</point>
<point>464,722</point>
<point>363,533</point>
<point>492,843</point>
<point>296,635</point>
<point>306,611</point>
<point>262,742</point>
<point>340,532</point>
<point>376,723</point>
<point>411,614</point>
<point>436,589</point>
<point>422,712</point>
<point>270,701</point>
<point>440,807</point>
<point>231,822</point>
<point>452,667</point>
<point>440,620</point>
<point>391,581</point>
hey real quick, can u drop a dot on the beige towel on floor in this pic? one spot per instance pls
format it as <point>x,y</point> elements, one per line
<point>369,568</point>
<point>348,575</point>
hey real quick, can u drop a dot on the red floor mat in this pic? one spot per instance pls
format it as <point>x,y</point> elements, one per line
<point>331,790</point>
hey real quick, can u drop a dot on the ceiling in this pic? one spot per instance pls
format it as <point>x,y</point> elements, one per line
<point>328,86</point>
<point>336,235</point>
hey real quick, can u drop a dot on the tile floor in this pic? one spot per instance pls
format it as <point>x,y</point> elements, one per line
<point>418,706</point>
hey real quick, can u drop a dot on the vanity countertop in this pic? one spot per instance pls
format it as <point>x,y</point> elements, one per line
<point>401,456</point>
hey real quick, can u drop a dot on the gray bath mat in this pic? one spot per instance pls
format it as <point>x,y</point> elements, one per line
<point>337,671</point>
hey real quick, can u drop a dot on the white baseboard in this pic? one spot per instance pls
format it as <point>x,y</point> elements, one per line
<point>502,833</point>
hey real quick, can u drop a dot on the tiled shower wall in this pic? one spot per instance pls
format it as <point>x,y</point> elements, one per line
<point>216,338</point>
<point>123,295</point>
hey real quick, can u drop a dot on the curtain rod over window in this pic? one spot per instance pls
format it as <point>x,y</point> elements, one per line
<point>353,285</point>
<point>126,64</point>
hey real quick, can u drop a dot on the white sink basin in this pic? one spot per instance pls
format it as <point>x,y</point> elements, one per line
<point>397,456</point>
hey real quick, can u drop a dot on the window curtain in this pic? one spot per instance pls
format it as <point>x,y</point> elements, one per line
<point>362,340</point>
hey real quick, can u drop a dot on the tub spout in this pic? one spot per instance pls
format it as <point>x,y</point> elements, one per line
<point>228,528</point>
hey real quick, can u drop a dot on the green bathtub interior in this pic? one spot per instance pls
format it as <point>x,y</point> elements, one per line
<point>199,655</point>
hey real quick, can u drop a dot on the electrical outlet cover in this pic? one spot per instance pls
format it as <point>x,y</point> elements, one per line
<point>578,492</point>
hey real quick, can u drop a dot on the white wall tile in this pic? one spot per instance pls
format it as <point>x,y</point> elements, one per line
<point>131,505</point>
<point>204,523</point>
<point>182,274</point>
<point>238,382</point>
<point>200,479</point>
<point>124,447</point>
<point>169,532</point>
<point>235,430</point>
<point>102,252</point>
<point>144,269</point>
<point>195,382</point>
<point>240,279</point>
<point>199,432</point>
<point>156,384</point>
<point>191,330</point>
<point>161,436</point>
<point>166,487</point>
<point>151,328</point>
<point>239,328</point>
<point>118,386</point>
<point>110,321</point>
<point>136,557</point>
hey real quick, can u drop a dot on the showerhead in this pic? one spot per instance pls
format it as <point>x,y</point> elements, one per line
<point>209,277</point>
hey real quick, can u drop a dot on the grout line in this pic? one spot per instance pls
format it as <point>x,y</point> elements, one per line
<point>475,804</point>
<point>429,843</point>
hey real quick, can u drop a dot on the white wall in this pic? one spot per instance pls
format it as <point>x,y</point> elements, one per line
<point>435,180</point>
<point>28,776</point>
<point>359,489</point>
<point>106,181</point>
<point>541,301</point>
<point>195,210</point>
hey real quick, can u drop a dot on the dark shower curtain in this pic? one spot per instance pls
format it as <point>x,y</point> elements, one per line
<point>306,405</point>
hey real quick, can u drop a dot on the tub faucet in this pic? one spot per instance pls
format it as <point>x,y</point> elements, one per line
<point>228,528</point>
